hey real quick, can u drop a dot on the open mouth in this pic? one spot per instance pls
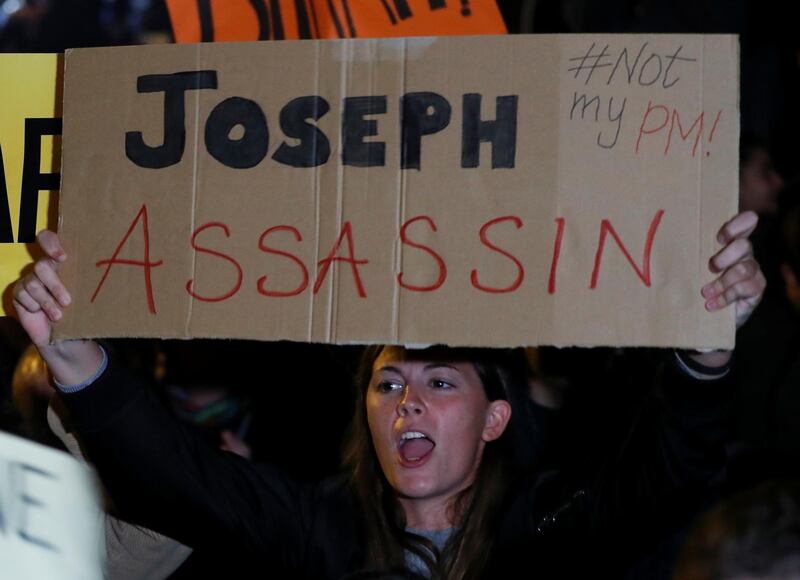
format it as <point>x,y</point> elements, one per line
<point>415,448</point>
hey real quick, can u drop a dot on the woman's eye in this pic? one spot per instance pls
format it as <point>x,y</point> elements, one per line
<point>388,386</point>
<point>441,384</point>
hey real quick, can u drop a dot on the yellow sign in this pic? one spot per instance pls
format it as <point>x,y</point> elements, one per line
<point>30,130</point>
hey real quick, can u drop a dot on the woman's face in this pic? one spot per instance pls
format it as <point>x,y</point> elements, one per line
<point>430,421</point>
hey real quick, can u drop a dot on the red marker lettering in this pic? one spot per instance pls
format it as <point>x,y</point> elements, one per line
<point>642,130</point>
<point>551,284</point>
<point>325,264</point>
<point>239,274</point>
<point>304,271</point>
<point>520,270</point>
<point>439,261</point>
<point>644,272</point>
<point>145,263</point>
<point>676,120</point>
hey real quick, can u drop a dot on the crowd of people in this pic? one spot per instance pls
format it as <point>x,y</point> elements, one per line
<point>441,462</point>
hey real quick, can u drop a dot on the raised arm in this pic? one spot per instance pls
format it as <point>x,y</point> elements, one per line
<point>739,280</point>
<point>658,478</point>
<point>159,473</point>
<point>39,299</point>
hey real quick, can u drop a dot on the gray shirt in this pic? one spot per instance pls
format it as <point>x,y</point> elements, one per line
<point>439,539</point>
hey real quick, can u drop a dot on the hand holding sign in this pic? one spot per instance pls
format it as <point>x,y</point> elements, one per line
<point>38,299</point>
<point>740,281</point>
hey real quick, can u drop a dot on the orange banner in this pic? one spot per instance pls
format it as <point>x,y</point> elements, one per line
<point>226,20</point>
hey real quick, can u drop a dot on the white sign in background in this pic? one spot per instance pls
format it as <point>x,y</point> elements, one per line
<point>50,520</point>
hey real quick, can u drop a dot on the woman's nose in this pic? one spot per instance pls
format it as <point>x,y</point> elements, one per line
<point>410,404</point>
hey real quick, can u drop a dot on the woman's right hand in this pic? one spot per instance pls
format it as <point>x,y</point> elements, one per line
<point>39,299</point>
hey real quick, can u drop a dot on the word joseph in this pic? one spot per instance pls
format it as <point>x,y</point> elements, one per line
<point>421,113</point>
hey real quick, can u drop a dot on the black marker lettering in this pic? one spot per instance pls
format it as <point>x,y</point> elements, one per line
<point>237,152</point>
<point>356,151</point>
<point>421,114</point>
<point>501,133</point>
<point>585,105</point>
<point>314,148</point>
<point>671,58</point>
<point>630,69</point>
<point>173,86</point>
<point>652,58</point>
<point>611,118</point>
<point>33,181</point>
<point>6,234</point>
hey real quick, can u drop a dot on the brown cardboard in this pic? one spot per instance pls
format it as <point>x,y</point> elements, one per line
<point>579,168</point>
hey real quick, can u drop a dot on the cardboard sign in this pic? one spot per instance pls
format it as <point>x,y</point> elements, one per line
<point>221,20</point>
<point>50,522</point>
<point>30,129</point>
<point>471,191</point>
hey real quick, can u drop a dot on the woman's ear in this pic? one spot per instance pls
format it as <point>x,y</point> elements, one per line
<point>497,416</point>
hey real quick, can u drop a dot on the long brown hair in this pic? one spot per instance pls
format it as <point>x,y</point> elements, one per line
<point>476,509</point>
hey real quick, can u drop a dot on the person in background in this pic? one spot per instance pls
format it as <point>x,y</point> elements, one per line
<point>754,534</point>
<point>767,370</point>
<point>759,182</point>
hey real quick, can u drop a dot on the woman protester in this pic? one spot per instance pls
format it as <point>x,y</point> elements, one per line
<point>428,489</point>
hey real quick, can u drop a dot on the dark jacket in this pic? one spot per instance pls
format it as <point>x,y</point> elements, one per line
<point>162,476</point>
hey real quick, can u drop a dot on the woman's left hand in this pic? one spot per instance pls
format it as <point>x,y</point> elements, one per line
<point>740,281</point>
<point>739,278</point>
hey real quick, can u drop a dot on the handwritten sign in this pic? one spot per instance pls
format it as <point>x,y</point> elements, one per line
<point>478,191</point>
<point>50,522</point>
<point>30,126</point>
<point>220,20</point>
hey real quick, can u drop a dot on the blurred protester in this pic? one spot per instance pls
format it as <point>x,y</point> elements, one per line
<point>759,182</point>
<point>767,368</point>
<point>586,407</point>
<point>754,535</point>
<point>56,25</point>
<point>212,397</point>
<point>13,341</point>
<point>132,552</point>
<point>52,26</point>
<point>31,390</point>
